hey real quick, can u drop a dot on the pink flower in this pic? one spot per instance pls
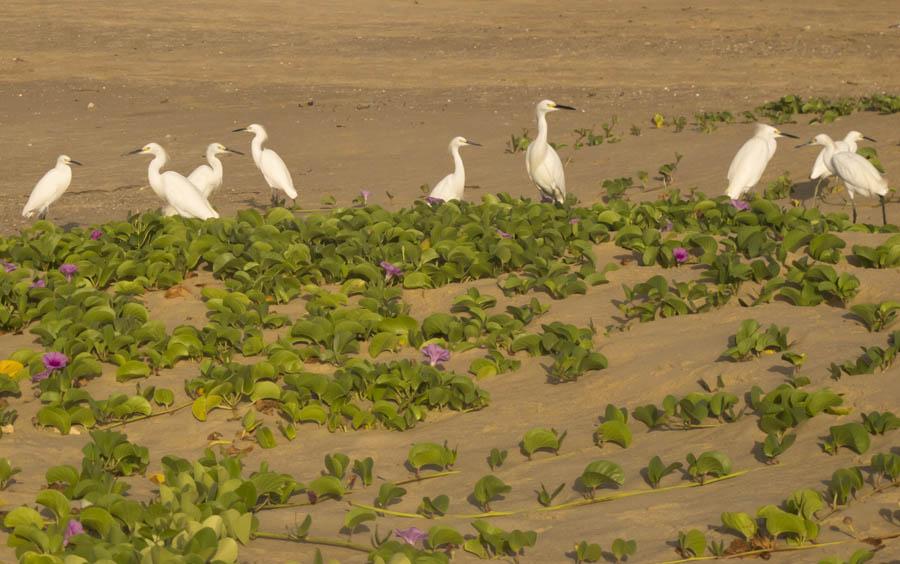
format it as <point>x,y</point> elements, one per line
<point>504,234</point>
<point>39,283</point>
<point>96,234</point>
<point>667,227</point>
<point>740,205</point>
<point>681,254</point>
<point>73,528</point>
<point>435,354</point>
<point>574,221</point>
<point>55,360</point>
<point>432,201</point>
<point>68,269</point>
<point>9,267</point>
<point>390,270</point>
<point>412,535</point>
<point>365,196</point>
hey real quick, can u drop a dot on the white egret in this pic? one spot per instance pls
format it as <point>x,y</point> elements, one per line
<point>750,162</point>
<point>860,177</point>
<point>49,188</point>
<point>173,188</point>
<point>273,169</point>
<point>451,187</point>
<point>822,167</point>
<point>541,161</point>
<point>208,177</point>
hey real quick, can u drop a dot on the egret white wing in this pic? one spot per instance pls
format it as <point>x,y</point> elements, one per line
<point>185,197</point>
<point>747,167</point>
<point>277,173</point>
<point>444,189</point>
<point>819,170</point>
<point>204,179</point>
<point>47,190</point>
<point>859,174</point>
<point>550,176</point>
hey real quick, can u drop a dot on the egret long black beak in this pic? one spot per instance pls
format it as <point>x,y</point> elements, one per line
<point>75,162</point>
<point>239,129</point>
<point>236,152</point>
<point>469,142</point>
<point>869,139</point>
<point>807,144</point>
<point>783,134</point>
<point>562,107</point>
<point>136,151</point>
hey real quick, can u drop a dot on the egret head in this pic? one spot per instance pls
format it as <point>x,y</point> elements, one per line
<point>461,141</point>
<point>820,139</point>
<point>855,136</point>
<point>253,128</point>
<point>220,149</point>
<point>546,106</point>
<point>149,148</point>
<point>67,160</point>
<point>763,130</point>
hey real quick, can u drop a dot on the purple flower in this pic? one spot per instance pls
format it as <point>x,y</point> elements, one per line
<point>504,234</point>
<point>55,360</point>
<point>740,205</point>
<point>545,199</point>
<point>574,221</point>
<point>390,270</point>
<point>365,196</point>
<point>68,269</point>
<point>412,535</point>
<point>96,234</point>
<point>680,254</point>
<point>8,266</point>
<point>435,354</point>
<point>73,528</point>
<point>432,201</point>
<point>667,227</point>
<point>39,284</point>
<point>42,375</point>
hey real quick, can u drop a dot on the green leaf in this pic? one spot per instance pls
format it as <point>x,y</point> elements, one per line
<point>23,517</point>
<point>265,437</point>
<point>740,522</point>
<point>692,543</point>
<point>265,389</point>
<point>489,488</point>
<point>97,519</point>
<point>416,280</point>
<point>327,486</point>
<point>614,431</point>
<point>56,417</point>
<point>356,516</point>
<point>852,435</point>
<point>204,404</point>
<point>442,536</point>
<point>132,369</point>
<point>55,502</point>
<point>602,472</point>
<point>541,439</point>
<point>163,397</point>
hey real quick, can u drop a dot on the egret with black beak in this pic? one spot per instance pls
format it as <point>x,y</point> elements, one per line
<point>541,161</point>
<point>49,188</point>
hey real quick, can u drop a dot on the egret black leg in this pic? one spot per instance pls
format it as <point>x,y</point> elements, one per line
<point>816,191</point>
<point>883,211</point>
<point>853,204</point>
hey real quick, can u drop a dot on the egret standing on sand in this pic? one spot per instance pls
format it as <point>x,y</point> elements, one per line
<point>49,188</point>
<point>860,177</point>
<point>451,187</point>
<point>822,167</point>
<point>208,177</point>
<point>174,188</point>
<point>273,169</point>
<point>541,161</point>
<point>751,159</point>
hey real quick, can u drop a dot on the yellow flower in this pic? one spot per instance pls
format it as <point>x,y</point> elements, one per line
<point>158,478</point>
<point>11,368</point>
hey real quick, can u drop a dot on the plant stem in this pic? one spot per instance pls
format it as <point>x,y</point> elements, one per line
<point>143,417</point>
<point>312,540</point>
<point>782,549</point>
<point>563,506</point>
<point>400,483</point>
